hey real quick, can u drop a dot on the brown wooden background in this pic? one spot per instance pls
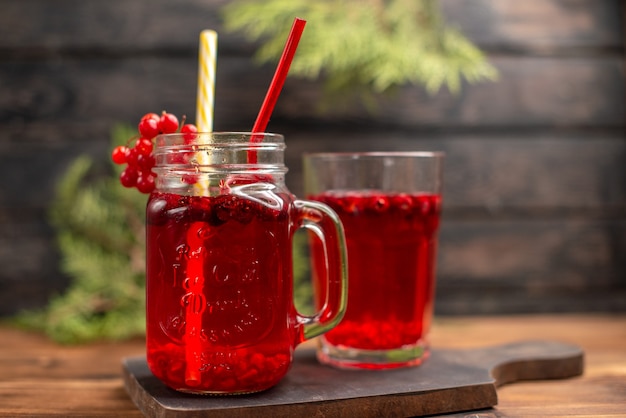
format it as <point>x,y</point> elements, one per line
<point>535,187</point>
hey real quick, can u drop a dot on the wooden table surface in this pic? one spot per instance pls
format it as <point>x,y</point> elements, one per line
<point>40,378</point>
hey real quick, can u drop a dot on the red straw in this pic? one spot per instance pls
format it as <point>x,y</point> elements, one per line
<point>271,97</point>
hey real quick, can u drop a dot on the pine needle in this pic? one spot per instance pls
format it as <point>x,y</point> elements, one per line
<point>364,45</point>
<point>101,238</point>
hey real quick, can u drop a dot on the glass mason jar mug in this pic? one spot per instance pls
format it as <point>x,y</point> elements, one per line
<point>220,313</point>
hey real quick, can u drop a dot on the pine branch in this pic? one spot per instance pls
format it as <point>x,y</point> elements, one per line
<point>101,237</point>
<point>100,233</point>
<point>364,45</point>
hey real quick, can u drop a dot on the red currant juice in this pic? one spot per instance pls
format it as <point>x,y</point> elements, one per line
<point>392,241</point>
<point>219,292</point>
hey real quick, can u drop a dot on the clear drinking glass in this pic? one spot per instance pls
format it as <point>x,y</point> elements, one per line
<point>390,205</point>
<point>220,311</point>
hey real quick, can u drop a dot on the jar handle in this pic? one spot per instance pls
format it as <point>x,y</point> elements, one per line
<point>325,224</point>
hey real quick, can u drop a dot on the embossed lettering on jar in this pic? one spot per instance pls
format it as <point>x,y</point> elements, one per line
<point>220,313</point>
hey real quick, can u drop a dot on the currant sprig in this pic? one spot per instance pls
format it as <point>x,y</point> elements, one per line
<point>137,153</point>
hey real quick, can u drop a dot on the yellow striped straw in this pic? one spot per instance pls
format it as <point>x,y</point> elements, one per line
<point>206,80</point>
<point>204,122</point>
<point>207,58</point>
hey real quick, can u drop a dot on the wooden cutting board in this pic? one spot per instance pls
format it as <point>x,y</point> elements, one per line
<point>449,381</point>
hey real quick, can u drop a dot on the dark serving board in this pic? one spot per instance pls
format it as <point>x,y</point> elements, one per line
<point>449,381</point>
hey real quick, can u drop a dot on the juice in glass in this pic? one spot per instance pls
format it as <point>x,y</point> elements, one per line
<point>391,223</point>
<point>219,333</point>
<point>219,279</point>
<point>392,245</point>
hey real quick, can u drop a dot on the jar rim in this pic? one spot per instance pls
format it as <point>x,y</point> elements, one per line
<point>239,138</point>
<point>348,155</point>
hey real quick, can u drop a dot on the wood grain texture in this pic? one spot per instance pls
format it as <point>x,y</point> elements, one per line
<point>86,381</point>
<point>29,278</point>
<point>531,92</point>
<point>538,26</point>
<point>160,23</point>
<point>498,172</point>
<point>448,381</point>
<point>535,186</point>
<point>597,393</point>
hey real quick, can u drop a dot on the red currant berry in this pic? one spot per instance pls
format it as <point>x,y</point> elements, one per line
<point>189,178</point>
<point>402,202</point>
<point>119,154</point>
<point>128,178</point>
<point>131,156</point>
<point>149,128</point>
<point>150,116</point>
<point>168,123</point>
<point>188,128</point>
<point>189,131</point>
<point>144,146</point>
<point>379,203</point>
<point>145,162</point>
<point>426,206</point>
<point>145,183</point>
